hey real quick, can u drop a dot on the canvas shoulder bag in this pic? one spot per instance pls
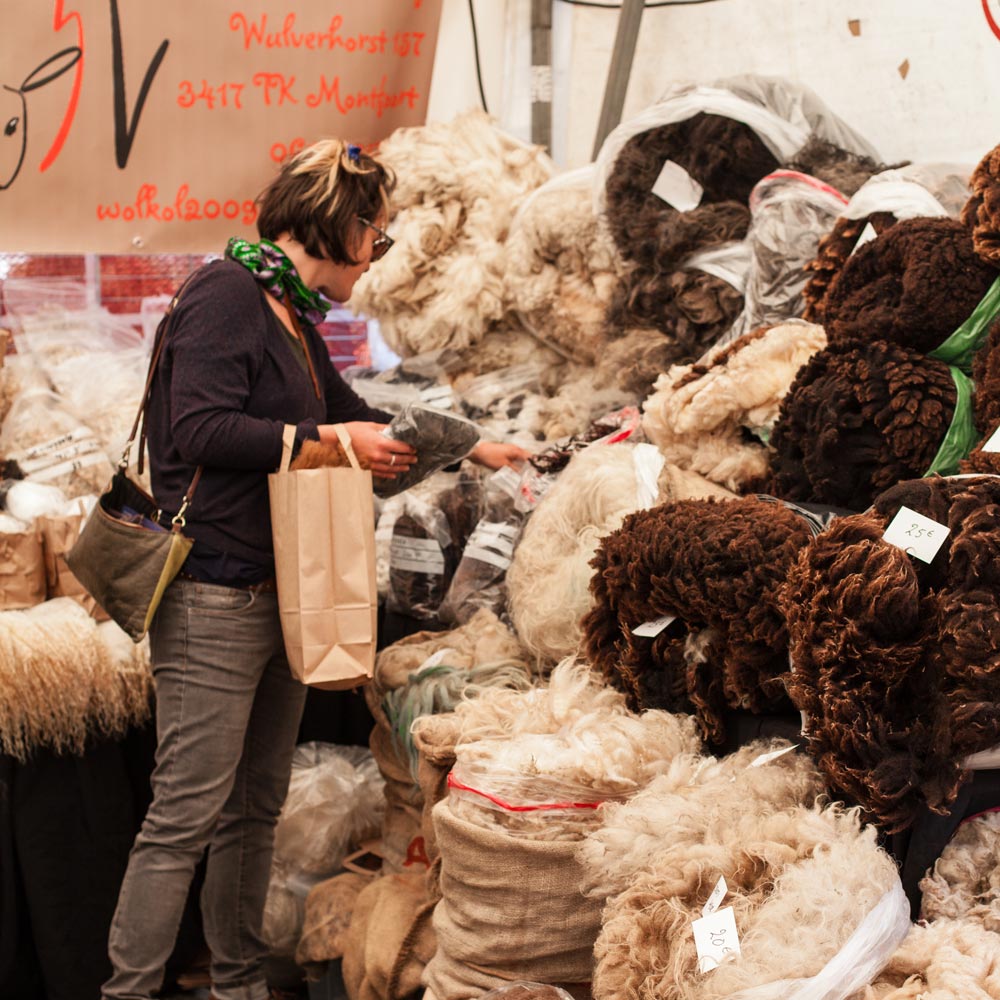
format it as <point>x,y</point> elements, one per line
<point>125,557</point>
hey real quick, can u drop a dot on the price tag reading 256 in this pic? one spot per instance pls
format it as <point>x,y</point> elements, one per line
<point>915,534</point>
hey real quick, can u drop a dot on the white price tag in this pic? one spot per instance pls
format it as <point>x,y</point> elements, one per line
<point>992,443</point>
<point>508,480</point>
<point>715,937</point>
<point>718,895</point>
<point>915,534</point>
<point>655,627</point>
<point>867,235</point>
<point>416,555</point>
<point>677,187</point>
<point>766,758</point>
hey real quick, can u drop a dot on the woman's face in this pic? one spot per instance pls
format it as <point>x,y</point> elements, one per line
<point>336,281</point>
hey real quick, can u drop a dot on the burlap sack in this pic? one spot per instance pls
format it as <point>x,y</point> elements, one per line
<point>403,802</point>
<point>435,737</point>
<point>511,909</point>
<point>22,570</point>
<point>329,908</point>
<point>390,939</point>
<point>58,535</point>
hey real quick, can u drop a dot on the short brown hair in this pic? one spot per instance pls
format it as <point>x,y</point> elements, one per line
<point>320,194</point>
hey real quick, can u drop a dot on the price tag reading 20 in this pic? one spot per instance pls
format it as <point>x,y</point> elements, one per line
<point>915,534</point>
<point>715,937</point>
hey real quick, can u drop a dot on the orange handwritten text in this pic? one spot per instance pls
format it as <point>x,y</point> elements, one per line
<point>376,99</point>
<point>184,208</point>
<point>225,95</point>
<point>256,33</point>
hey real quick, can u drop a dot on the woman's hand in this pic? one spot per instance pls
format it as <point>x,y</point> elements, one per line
<point>384,456</point>
<point>497,454</point>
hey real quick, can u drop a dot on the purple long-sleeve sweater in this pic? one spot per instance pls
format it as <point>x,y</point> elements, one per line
<point>226,384</point>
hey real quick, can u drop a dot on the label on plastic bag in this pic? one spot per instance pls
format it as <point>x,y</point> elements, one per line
<point>416,555</point>
<point>718,895</point>
<point>867,235</point>
<point>715,937</point>
<point>915,534</point>
<point>507,480</point>
<point>655,627</point>
<point>438,395</point>
<point>69,467</point>
<point>992,443</point>
<point>57,443</point>
<point>677,187</point>
<point>75,449</point>
<point>493,543</point>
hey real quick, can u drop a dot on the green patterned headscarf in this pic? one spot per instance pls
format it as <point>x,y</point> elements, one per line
<point>269,264</point>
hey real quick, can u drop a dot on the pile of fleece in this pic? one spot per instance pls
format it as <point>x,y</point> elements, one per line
<point>894,661</point>
<point>699,415</point>
<point>715,568</point>
<point>456,184</point>
<point>548,583</point>
<point>561,266</point>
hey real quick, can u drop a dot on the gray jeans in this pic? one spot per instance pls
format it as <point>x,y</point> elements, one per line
<point>227,717</point>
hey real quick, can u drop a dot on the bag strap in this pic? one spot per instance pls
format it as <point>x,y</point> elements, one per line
<point>287,446</point>
<point>161,335</point>
<point>347,444</point>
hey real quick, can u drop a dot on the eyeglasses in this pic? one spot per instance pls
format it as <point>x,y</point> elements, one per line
<point>382,242</point>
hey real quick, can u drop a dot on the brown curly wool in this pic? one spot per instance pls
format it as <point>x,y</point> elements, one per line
<point>635,361</point>
<point>834,250</point>
<point>982,211</point>
<point>843,170</point>
<point>914,285</point>
<point>322,455</point>
<point>858,418</point>
<point>724,156</point>
<point>715,565</point>
<point>896,663</point>
<point>690,308</point>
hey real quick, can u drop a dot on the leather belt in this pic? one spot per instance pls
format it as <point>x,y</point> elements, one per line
<point>268,586</point>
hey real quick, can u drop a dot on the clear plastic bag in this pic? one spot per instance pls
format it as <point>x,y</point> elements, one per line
<point>915,191</point>
<point>479,579</point>
<point>730,262</point>
<point>50,445</point>
<point>440,438</point>
<point>485,393</point>
<point>791,212</point>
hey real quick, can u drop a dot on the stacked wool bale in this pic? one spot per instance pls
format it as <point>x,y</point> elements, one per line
<point>715,568</point>
<point>926,191</point>
<point>65,679</point>
<point>456,186</point>
<point>795,870</point>
<point>549,577</point>
<point>894,661</point>
<point>887,399</point>
<point>561,266</point>
<point>699,415</point>
<point>530,769</point>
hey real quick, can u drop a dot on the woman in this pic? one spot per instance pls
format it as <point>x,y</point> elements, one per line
<point>242,359</point>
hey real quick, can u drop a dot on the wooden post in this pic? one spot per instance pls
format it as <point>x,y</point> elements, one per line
<point>541,72</point>
<point>620,69</point>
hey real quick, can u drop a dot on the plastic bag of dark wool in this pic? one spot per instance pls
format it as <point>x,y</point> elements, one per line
<point>861,416</point>
<point>439,438</point>
<point>716,416</point>
<point>457,186</point>
<point>692,305</point>
<point>798,903</point>
<point>562,266</point>
<point>427,541</point>
<point>334,802</point>
<point>511,905</point>
<point>684,612</point>
<point>790,213</point>
<point>894,659</point>
<point>480,579</point>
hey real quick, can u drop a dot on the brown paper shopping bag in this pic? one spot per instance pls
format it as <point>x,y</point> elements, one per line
<point>323,525</point>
